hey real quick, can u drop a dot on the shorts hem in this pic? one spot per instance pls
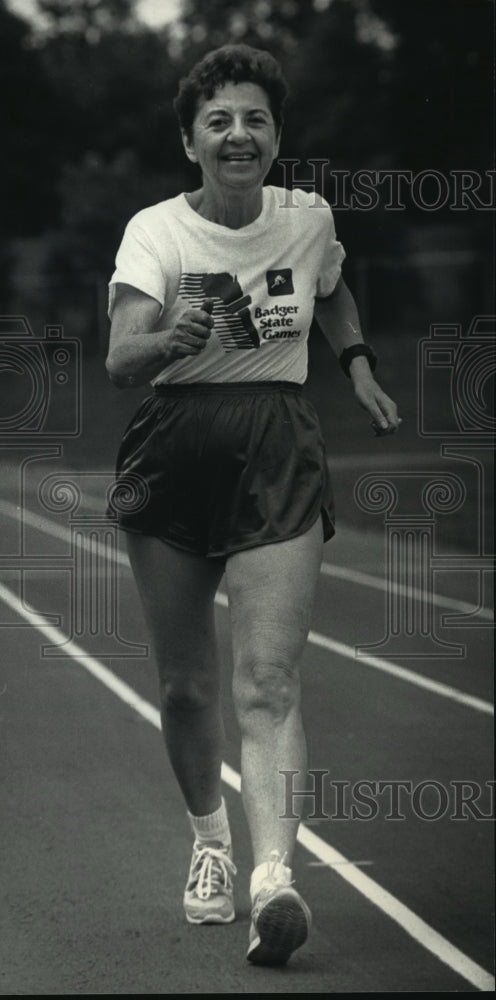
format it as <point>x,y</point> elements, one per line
<point>327,525</point>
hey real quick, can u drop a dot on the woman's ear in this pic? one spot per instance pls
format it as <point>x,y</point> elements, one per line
<point>188,144</point>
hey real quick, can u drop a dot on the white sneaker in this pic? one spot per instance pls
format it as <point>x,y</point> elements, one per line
<point>280,919</point>
<point>208,897</point>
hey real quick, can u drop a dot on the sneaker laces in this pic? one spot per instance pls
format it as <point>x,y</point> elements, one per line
<point>211,870</point>
<point>273,880</point>
<point>276,859</point>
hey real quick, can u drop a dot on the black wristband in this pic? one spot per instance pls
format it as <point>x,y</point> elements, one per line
<point>346,357</point>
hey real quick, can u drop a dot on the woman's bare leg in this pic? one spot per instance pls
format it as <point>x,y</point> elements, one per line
<point>177,590</point>
<point>271,591</point>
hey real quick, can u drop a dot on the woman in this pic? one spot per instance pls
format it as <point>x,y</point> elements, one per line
<point>212,300</point>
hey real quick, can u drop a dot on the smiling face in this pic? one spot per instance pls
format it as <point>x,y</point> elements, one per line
<point>234,138</point>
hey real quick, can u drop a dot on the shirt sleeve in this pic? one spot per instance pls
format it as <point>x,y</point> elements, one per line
<point>138,264</point>
<point>332,258</point>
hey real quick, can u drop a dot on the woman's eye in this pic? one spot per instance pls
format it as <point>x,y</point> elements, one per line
<point>218,122</point>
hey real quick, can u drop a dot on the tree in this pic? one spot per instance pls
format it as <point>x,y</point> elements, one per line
<point>29,131</point>
<point>279,26</point>
<point>87,17</point>
<point>442,94</point>
<point>341,79</point>
<point>116,94</point>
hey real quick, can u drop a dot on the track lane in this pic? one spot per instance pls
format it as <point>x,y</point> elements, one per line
<point>126,667</point>
<point>414,926</point>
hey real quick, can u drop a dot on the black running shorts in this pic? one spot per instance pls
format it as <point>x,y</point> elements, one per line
<point>214,468</point>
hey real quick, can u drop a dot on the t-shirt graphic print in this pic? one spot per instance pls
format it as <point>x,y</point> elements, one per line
<point>231,315</point>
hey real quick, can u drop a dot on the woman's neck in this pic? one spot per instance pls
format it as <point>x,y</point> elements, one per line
<point>233,209</point>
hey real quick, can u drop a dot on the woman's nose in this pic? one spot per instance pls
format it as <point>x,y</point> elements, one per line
<point>238,130</point>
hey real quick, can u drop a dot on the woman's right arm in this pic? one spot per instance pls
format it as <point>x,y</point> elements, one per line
<point>136,354</point>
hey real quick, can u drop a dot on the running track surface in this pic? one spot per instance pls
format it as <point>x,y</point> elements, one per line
<point>95,843</point>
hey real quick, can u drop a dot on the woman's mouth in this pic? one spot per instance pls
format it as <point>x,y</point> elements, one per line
<point>238,157</point>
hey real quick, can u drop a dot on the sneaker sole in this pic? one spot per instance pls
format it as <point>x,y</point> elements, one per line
<point>283,925</point>
<point>210,918</point>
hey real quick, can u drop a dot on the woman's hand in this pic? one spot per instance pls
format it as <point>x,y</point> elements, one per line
<point>382,409</point>
<point>191,332</point>
<point>338,319</point>
<point>138,352</point>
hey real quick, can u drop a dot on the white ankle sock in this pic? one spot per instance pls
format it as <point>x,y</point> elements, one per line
<point>277,870</point>
<point>214,826</point>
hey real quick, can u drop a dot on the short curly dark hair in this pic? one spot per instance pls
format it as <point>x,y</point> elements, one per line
<point>230,64</point>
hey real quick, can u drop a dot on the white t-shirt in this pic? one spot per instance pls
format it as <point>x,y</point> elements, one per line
<point>263,279</point>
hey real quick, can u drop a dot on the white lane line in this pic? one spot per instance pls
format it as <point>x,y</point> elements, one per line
<point>316,638</point>
<point>379,583</point>
<point>417,929</point>
<point>393,669</point>
<point>327,569</point>
<point>48,527</point>
<point>402,673</point>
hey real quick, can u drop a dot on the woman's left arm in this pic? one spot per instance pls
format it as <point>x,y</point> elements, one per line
<point>337,316</point>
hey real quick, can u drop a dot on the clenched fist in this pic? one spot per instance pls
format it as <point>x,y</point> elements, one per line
<point>191,332</point>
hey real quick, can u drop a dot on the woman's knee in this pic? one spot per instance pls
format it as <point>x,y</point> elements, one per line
<point>265,683</point>
<point>185,694</point>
